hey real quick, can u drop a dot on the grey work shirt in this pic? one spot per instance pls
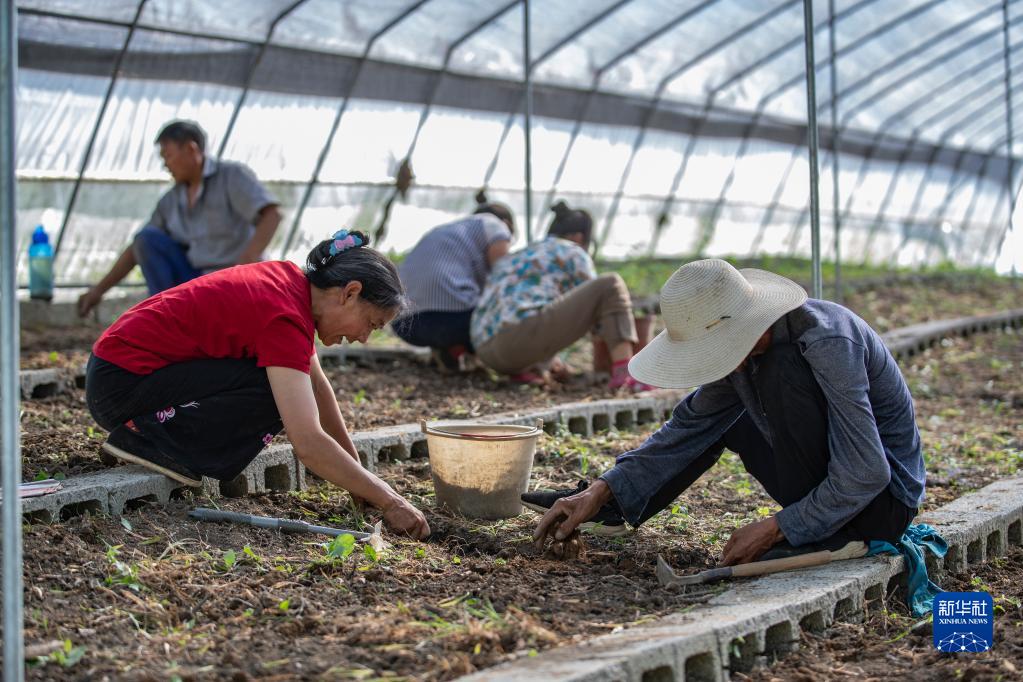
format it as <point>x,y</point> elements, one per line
<point>873,441</point>
<point>218,228</point>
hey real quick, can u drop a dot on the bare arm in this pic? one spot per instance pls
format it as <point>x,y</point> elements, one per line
<point>331,419</point>
<point>122,266</point>
<point>293,393</point>
<point>266,226</point>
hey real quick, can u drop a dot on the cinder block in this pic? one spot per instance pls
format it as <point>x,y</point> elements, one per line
<point>90,492</point>
<point>132,484</point>
<point>41,383</point>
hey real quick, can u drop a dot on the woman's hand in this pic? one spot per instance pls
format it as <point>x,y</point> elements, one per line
<point>404,518</point>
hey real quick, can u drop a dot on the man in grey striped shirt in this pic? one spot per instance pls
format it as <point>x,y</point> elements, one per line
<point>444,275</point>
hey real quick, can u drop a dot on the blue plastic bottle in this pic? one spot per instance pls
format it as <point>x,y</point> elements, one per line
<point>40,266</point>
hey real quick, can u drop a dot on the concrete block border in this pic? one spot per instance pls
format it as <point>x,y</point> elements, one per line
<point>761,619</point>
<point>277,468</point>
<point>903,343</point>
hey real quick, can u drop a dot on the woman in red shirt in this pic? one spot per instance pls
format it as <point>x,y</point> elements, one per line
<point>197,379</point>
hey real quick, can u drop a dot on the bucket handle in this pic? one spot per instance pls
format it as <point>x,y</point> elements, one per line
<point>537,430</point>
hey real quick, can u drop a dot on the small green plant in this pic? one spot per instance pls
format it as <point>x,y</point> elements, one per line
<point>284,605</point>
<point>370,553</point>
<point>360,397</point>
<point>124,573</point>
<point>230,559</point>
<point>54,357</point>
<point>341,547</point>
<point>66,656</point>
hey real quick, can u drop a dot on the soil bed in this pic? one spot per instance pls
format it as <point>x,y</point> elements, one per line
<point>893,645</point>
<point>156,595</point>
<point>60,436</point>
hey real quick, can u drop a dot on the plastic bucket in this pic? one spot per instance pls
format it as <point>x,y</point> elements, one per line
<point>480,470</point>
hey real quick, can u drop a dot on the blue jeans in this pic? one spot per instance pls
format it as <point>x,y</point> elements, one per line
<point>163,261</point>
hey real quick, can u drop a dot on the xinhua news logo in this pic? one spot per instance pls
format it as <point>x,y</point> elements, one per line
<point>963,622</point>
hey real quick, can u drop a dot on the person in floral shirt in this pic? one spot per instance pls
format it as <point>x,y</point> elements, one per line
<point>541,299</point>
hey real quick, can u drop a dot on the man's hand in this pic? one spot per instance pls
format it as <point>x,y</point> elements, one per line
<point>89,300</point>
<point>568,512</point>
<point>750,541</point>
<point>404,518</point>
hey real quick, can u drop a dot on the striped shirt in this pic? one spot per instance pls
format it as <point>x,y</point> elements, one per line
<point>446,270</point>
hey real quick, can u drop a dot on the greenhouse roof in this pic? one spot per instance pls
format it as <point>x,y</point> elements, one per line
<point>679,124</point>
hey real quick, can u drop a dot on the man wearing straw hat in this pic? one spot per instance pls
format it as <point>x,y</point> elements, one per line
<point>804,391</point>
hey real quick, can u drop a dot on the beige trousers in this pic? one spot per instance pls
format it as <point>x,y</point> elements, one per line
<point>601,305</point>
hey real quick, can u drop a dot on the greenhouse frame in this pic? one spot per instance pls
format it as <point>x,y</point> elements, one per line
<point>683,126</point>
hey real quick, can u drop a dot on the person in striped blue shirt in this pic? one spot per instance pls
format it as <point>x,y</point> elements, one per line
<point>444,275</point>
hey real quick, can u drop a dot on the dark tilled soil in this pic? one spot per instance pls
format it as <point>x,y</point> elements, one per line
<point>158,596</point>
<point>893,645</point>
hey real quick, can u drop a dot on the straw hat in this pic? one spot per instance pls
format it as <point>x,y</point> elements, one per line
<point>713,316</point>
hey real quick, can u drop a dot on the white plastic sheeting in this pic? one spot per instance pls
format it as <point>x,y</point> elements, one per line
<point>678,124</point>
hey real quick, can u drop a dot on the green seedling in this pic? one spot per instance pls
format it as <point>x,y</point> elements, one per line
<point>230,559</point>
<point>341,547</point>
<point>67,656</point>
<point>370,553</point>
<point>125,574</point>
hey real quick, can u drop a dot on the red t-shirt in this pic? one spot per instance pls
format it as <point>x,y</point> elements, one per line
<point>261,310</point>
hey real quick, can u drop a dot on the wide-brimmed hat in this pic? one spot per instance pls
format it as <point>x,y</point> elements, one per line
<point>713,316</point>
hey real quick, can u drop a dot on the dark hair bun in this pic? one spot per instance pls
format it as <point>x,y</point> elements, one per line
<point>561,209</point>
<point>481,196</point>
<point>361,235</point>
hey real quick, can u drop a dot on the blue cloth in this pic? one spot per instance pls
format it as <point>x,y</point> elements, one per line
<point>164,262</point>
<point>873,441</point>
<point>920,590</point>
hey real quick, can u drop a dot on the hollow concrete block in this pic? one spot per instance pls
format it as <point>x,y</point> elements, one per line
<point>41,383</point>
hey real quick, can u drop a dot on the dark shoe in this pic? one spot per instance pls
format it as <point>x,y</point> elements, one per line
<point>125,444</point>
<point>783,550</point>
<point>607,522</point>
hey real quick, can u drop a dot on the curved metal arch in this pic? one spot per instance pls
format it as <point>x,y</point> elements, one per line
<point>870,77</point>
<point>533,64</point>
<point>659,94</point>
<point>951,82</point>
<point>448,54</point>
<point>764,101</point>
<point>381,229</point>
<point>920,70</point>
<point>281,16</point>
<point>322,158</point>
<point>87,155</point>
<point>595,84</point>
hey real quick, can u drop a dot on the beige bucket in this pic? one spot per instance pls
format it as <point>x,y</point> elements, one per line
<point>480,470</point>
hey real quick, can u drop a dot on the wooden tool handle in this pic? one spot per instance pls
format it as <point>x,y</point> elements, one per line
<point>786,564</point>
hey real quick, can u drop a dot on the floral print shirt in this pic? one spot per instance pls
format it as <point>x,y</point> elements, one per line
<point>523,282</point>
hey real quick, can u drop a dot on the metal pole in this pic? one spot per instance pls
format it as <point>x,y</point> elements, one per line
<point>14,644</point>
<point>811,123</point>
<point>836,198</point>
<point>1008,129</point>
<point>87,155</point>
<point>527,71</point>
